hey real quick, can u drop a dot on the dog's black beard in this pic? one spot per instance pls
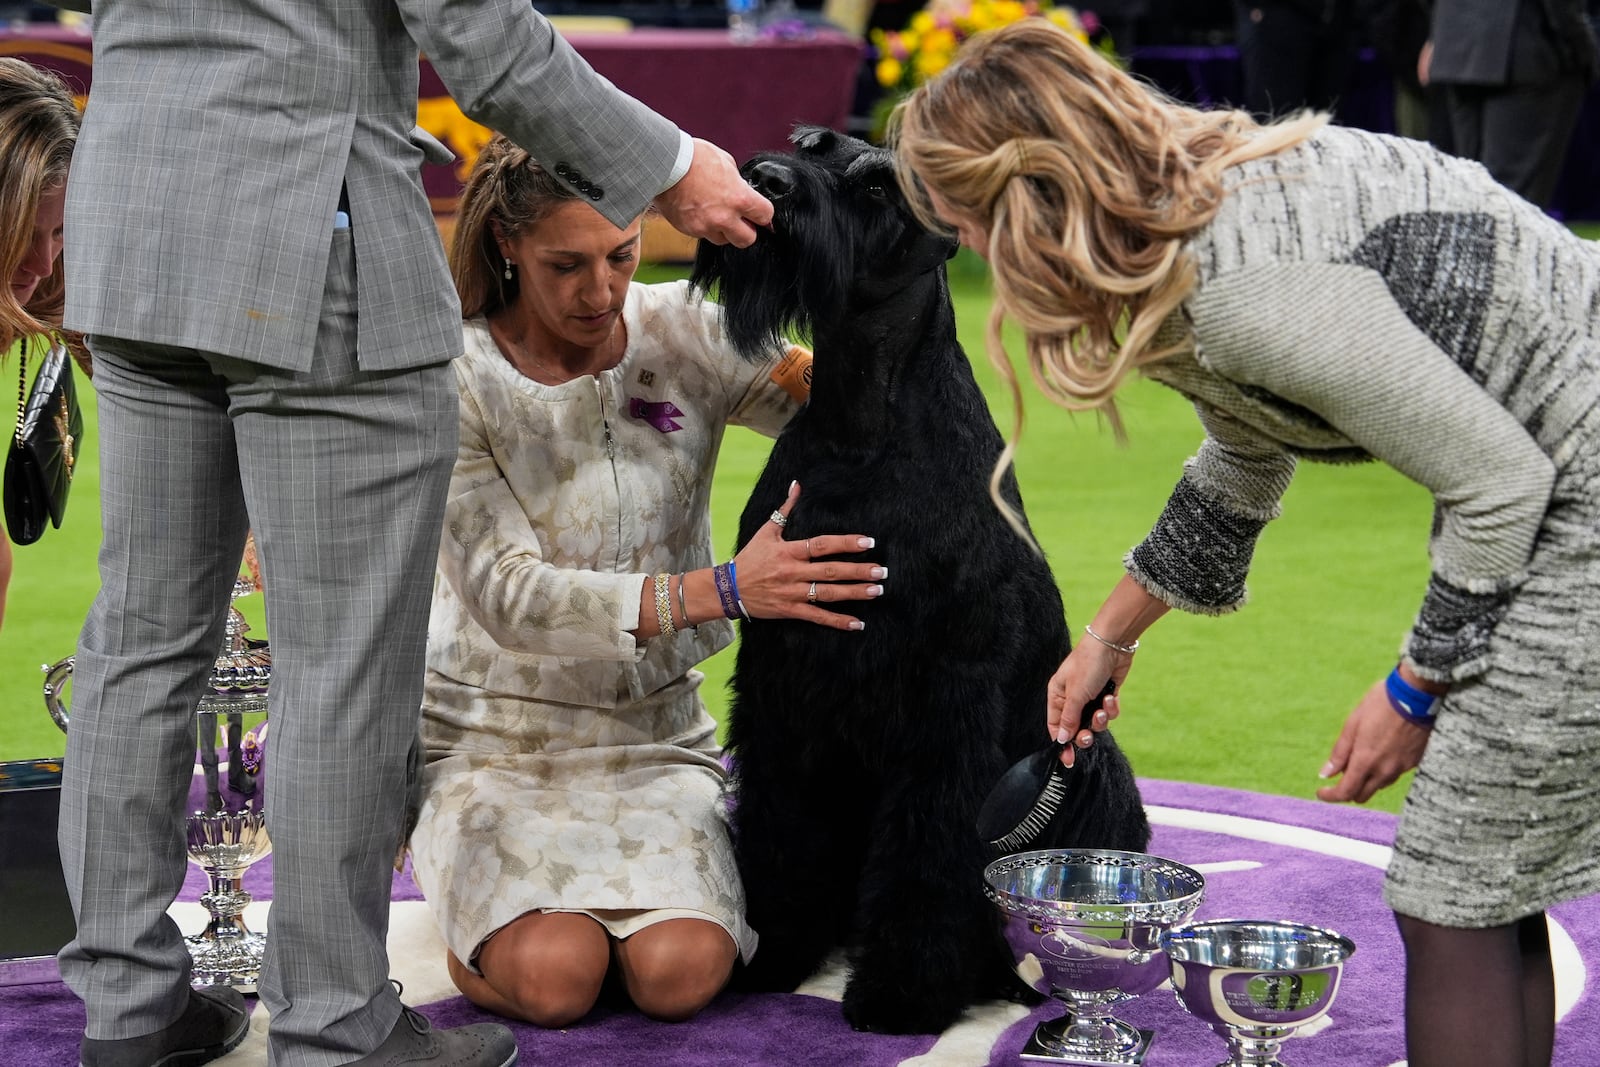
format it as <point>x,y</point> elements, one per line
<point>842,243</point>
<point>781,286</point>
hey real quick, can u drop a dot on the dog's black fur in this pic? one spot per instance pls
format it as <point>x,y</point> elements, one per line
<point>861,758</point>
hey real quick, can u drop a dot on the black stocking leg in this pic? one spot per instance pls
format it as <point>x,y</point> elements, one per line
<point>1538,990</point>
<point>1484,997</point>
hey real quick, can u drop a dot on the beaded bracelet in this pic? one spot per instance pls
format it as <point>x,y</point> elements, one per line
<point>1411,703</point>
<point>722,576</point>
<point>1124,649</point>
<point>664,605</point>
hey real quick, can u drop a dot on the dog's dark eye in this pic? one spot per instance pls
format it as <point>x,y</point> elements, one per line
<point>877,190</point>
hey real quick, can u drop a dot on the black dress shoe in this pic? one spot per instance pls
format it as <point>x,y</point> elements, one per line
<point>213,1024</point>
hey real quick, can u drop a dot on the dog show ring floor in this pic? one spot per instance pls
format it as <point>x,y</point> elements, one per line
<point>1264,857</point>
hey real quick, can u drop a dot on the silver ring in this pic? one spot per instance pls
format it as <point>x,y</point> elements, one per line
<point>780,518</point>
<point>811,594</point>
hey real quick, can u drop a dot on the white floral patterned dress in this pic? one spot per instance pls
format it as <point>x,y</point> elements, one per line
<point>569,767</point>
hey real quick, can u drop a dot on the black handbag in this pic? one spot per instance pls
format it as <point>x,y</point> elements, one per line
<point>44,450</point>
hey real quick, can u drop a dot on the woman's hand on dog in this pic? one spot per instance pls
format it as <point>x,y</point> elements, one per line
<point>784,579</point>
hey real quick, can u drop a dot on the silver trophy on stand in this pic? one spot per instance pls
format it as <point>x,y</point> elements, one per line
<point>1085,927</point>
<point>1255,982</point>
<point>226,827</point>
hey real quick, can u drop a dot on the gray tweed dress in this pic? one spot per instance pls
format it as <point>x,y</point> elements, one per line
<point>1363,296</point>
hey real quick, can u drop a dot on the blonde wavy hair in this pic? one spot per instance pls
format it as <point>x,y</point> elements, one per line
<point>38,132</point>
<point>1088,182</point>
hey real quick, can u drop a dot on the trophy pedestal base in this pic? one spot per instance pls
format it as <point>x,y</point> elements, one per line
<point>1046,1046</point>
<point>1256,1047</point>
<point>230,957</point>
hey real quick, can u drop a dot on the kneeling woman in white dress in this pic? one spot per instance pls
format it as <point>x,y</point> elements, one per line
<point>572,818</point>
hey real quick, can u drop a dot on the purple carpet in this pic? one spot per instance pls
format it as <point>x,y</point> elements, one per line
<point>1263,857</point>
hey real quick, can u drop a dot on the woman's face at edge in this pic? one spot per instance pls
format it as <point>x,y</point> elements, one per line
<point>39,257</point>
<point>970,233</point>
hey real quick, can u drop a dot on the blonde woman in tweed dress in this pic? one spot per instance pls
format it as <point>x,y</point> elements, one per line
<point>571,824</point>
<point>1328,294</point>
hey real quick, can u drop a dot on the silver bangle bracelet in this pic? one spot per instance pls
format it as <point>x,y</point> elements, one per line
<point>1124,649</point>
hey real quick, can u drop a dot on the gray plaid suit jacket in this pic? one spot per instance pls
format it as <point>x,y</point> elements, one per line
<point>219,132</point>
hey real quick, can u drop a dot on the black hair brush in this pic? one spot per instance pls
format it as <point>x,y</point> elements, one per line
<point>1027,796</point>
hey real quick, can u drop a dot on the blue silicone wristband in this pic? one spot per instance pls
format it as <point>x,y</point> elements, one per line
<point>733,580</point>
<point>1410,702</point>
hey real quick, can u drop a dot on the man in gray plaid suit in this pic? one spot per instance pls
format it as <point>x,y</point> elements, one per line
<point>251,252</point>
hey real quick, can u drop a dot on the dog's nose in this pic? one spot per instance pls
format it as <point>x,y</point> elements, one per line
<point>772,180</point>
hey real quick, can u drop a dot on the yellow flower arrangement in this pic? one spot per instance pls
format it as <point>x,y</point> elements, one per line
<point>909,57</point>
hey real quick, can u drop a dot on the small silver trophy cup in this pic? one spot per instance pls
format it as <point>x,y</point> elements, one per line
<point>226,828</point>
<point>1255,983</point>
<point>1085,927</point>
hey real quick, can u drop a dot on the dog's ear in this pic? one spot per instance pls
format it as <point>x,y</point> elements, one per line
<point>813,138</point>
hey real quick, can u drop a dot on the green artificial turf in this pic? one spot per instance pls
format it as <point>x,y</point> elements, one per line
<point>1252,700</point>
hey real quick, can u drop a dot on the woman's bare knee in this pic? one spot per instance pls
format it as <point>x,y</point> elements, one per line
<point>673,968</point>
<point>548,968</point>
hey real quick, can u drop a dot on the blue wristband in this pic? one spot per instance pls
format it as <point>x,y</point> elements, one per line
<point>1410,702</point>
<point>733,580</point>
<point>722,576</point>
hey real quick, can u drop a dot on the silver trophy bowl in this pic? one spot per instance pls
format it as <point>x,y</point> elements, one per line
<point>1255,983</point>
<point>1085,927</point>
<point>226,827</point>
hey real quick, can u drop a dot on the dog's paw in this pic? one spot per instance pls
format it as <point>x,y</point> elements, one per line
<point>896,1007</point>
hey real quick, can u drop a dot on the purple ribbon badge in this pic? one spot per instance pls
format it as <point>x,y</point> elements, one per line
<point>658,413</point>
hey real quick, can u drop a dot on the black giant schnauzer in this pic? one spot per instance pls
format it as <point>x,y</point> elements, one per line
<point>861,758</point>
